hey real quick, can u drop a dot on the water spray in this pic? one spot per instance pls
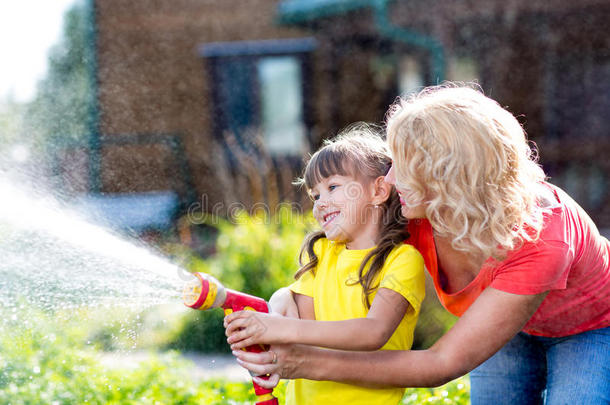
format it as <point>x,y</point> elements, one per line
<point>205,292</point>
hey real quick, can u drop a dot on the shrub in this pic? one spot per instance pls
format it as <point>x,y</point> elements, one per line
<point>201,331</point>
<point>456,392</point>
<point>44,359</point>
<point>256,254</point>
<point>434,320</point>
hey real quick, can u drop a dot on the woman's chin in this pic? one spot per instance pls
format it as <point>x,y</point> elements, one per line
<point>412,213</point>
<point>405,211</point>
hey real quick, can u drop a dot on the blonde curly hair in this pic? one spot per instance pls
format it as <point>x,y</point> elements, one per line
<point>467,160</point>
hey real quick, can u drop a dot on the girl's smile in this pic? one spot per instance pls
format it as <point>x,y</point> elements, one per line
<point>328,218</point>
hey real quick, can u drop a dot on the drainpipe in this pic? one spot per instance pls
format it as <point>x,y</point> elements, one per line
<point>394,32</point>
<point>93,114</point>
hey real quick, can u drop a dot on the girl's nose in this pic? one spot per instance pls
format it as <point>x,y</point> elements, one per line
<point>321,202</point>
<point>390,178</point>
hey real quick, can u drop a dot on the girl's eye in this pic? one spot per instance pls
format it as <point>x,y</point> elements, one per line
<point>332,187</point>
<point>315,197</point>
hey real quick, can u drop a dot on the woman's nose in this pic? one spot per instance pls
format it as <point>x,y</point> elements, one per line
<point>390,178</point>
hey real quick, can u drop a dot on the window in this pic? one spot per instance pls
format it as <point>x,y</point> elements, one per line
<point>463,69</point>
<point>259,87</point>
<point>282,104</point>
<point>410,76</point>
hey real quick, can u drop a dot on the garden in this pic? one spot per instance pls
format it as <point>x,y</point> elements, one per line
<point>56,353</point>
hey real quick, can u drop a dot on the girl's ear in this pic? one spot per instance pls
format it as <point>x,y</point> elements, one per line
<point>381,190</point>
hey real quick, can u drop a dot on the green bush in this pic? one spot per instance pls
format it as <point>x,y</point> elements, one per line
<point>201,331</point>
<point>434,320</point>
<point>255,254</point>
<point>46,359</point>
<point>456,392</point>
<point>258,254</point>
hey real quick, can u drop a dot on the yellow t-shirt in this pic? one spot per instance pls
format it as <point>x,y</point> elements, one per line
<point>336,298</point>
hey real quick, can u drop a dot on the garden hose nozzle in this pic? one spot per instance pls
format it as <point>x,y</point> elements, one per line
<point>205,292</point>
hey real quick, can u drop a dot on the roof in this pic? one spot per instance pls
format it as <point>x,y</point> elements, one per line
<point>301,11</point>
<point>269,47</point>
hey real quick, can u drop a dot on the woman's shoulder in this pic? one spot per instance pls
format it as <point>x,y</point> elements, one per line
<point>565,221</point>
<point>555,199</point>
<point>548,195</point>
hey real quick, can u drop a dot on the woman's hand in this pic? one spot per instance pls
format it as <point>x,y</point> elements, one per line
<point>281,361</point>
<point>246,328</point>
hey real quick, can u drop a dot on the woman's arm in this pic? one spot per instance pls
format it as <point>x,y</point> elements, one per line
<point>371,333</point>
<point>491,321</point>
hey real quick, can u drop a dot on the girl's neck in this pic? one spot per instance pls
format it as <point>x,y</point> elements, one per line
<point>367,237</point>
<point>359,246</point>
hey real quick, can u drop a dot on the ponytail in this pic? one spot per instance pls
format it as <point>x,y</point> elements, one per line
<point>307,248</point>
<point>393,232</point>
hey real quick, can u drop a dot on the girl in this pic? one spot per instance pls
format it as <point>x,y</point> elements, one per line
<point>360,287</point>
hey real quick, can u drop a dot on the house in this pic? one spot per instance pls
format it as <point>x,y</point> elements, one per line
<point>248,87</point>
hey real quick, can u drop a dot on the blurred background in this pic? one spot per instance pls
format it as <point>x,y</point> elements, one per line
<point>166,121</point>
<point>217,102</point>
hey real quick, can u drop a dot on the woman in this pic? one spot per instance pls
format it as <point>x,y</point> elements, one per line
<point>515,257</point>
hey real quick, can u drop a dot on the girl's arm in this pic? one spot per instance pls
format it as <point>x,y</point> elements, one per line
<point>283,302</point>
<point>490,322</point>
<point>305,306</point>
<point>371,333</point>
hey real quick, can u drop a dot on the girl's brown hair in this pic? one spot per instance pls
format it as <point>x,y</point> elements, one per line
<point>359,152</point>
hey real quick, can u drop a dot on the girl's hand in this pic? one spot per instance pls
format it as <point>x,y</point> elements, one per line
<point>246,328</point>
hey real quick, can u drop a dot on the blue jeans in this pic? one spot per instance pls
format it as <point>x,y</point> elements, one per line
<point>532,370</point>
